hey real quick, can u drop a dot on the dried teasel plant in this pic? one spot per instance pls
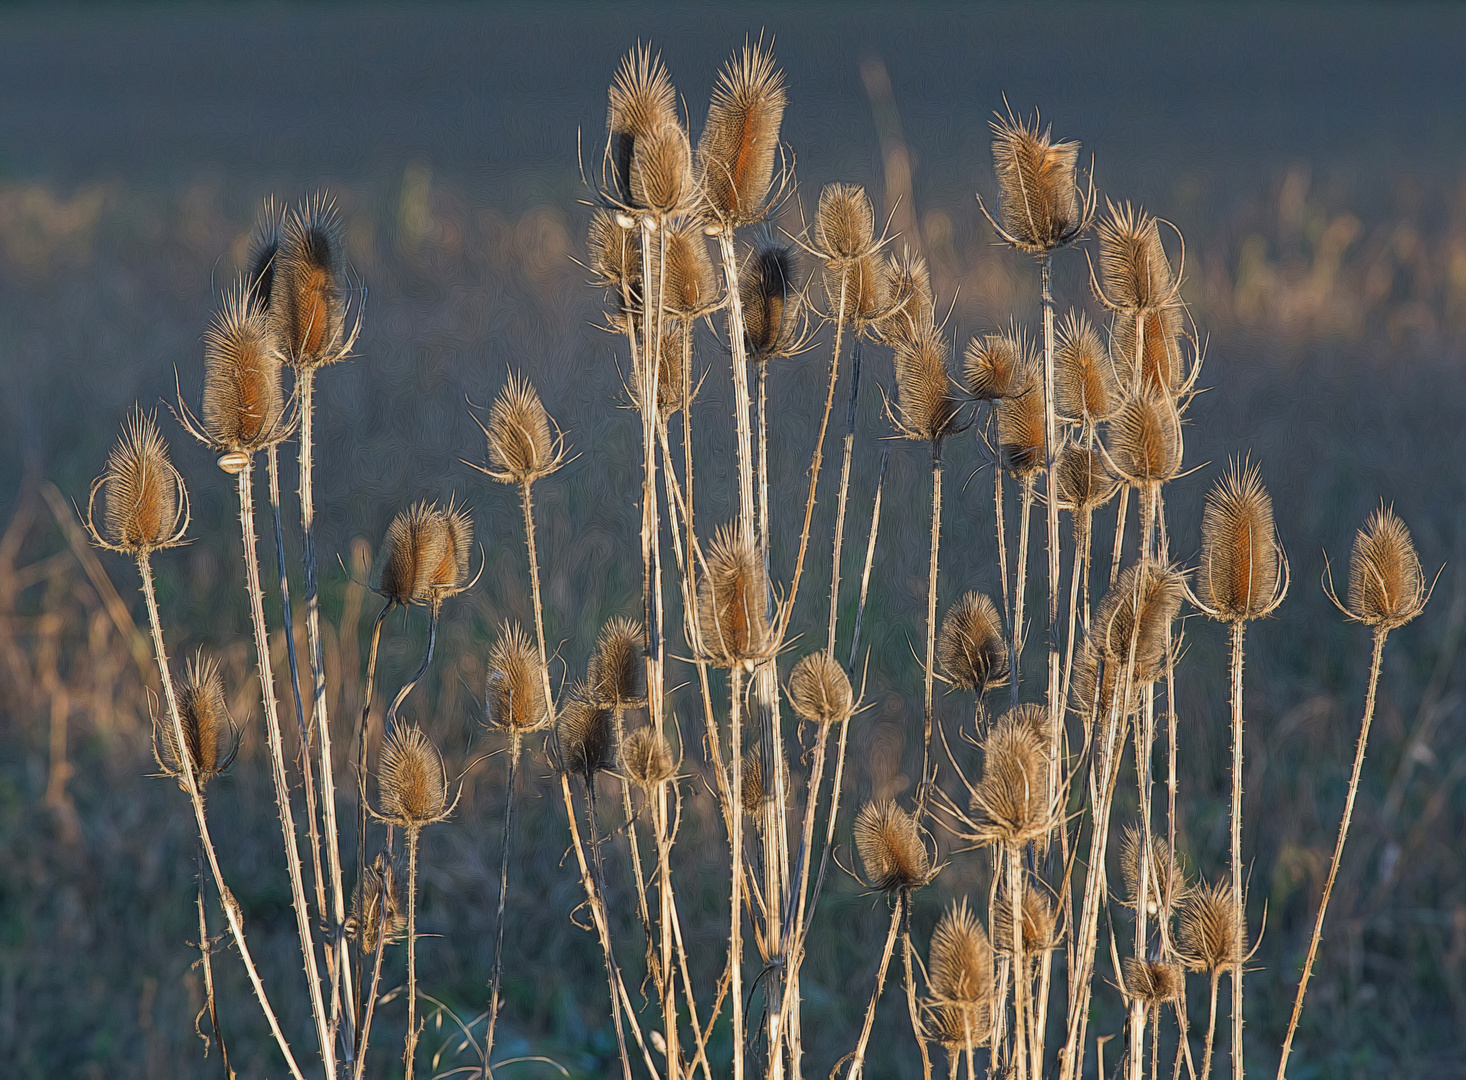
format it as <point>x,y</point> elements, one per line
<point>1010,804</point>
<point>145,504</point>
<point>1038,923</point>
<point>1166,881</point>
<point>774,323</point>
<point>1154,981</point>
<point>513,700</point>
<point>1130,625</point>
<point>417,552</point>
<point>524,444</point>
<point>732,615</point>
<point>912,314</point>
<point>1169,359</point>
<point>661,171</point>
<point>587,736</point>
<point>1021,447</point>
<point>1135,274</point>
<point>1207,940</point>
<point>1083,482</point>
<point>307,304</point>
<point>1040,205</point>
<point>1086,386</point>
<point>857,289</point>
<point>1144,442</point>
<point>959,1011</point>
<point>1243,574</point>
<point>412,782</point>
<point>616,675</point>
<point>926,409</point>
<point>893,853</point>
<point>737,153</point>
<point>819,690</point>
<point>642,101</point>
<point>751,793</point>
<point>646,759</point>
<point>682,272</point>
<point>970,646</point>
<point>614,247</point>
<point>371,924</point>
<point>210,737</point>
<point>996,366</point>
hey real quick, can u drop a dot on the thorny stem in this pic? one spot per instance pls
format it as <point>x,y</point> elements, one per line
<point>1003,567</point>
<point>391,721</point>
<point>365,1030</point>
<point>870,1012</point>
<point>1119,547</point>
<point>598,875</point>
<point>735,901</point>
<point>848,453</point>
<point>496,985</point>
<point>1139,1010</point>
<point>1238,631</point>
<point>1051,504</point>
<point>1020,586</point>
<point>931,628</point>
<point>361,797</point>
<point>205,948</point>
<point>740,385</point>
<point>1020,963</point>
<point>917,1028</point>
<point>1211,1026</point>
<point>409,1053</point>
<point>1379,645</point>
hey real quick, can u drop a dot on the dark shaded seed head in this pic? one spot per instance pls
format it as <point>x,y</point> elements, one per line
<point>741,140</point>
<point>205,719</point>
<point>1038,201</point>
<point>144,503</point>
<point>307,303</point>
<point>514,692</point>
<point>1086,388</point>
<point>264,249</point>
<point>413,784</point>
<point>416,549</point>
<point>1154,981</point>
<point>924,401</point>
<point>819,690</point>
<point>641,100</point>
<point>380,889</point>
<point>243,409</point>
<point>1206,931</point>
<point>1238,576</point>
<point>646,759</point>
<point>997,366</point>
<point>970,646</point>
<point>616,675</point>
<point>891,848</point>
<point>769,296</point>
<point>1084,480</point>
<point>587,736</point>
<point>1386,585</point>
<point>732,599</point>
<point>752,796</point>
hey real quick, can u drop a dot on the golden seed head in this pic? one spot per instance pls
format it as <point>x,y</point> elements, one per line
<point>958,1027</point>
<point>615,256</point>
<point>732,600</point>
<point>913,310</point>
<point>862,285</point>
<point>1086,388</point>
<point>1154,981</point>
<point>1011,801</point>
<point>891,848</point>
<point>738,146</point>
<point>616,675</point>
<point>524,443</point>
<point>926,407</point>
<point>243,409</point>
<point>1144,439</point>
<point>752,795</point>
<point>448,576</point>
<point>514,698</point>
<point>587,735</point>
<point>415,552</point>
<point>381,886</point>
<point>205,718</point>
<point>690,288</point>
<point>1038,923</point>
<point>1386,585</point>
<point>1167,879</point>
<point>970,645</point>
<point>1021,431</point>
<point>1084,480</point>
<point>144,502</point>
<point>1161,366</point>
<point>1239,574</point>
<point>1038,200</point>
<point>307,304</point>
<point>412,780</point>
<point>641,101</point>
<point>1138,609</point>
<point>646,759</point>
<point>844,224</point>
<point>996,366</point>
<point>1206,931</point>
<point>769,295</point>
<point>1135,274</point>
<point>661,170</point>
<point>819,690</point>
<point>960,963</point>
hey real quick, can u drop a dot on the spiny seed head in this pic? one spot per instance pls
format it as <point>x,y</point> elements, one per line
<point>243,408</point>
<point>587,735</point>
<point>738,145</point>
<point>1166,880</point>
<point>1144,439</point>
<point>732,600</point>
<point>1031,719</point>
<point>752,795</point>
<point>524,443</point>
<point>1138,609</point>
<point>380,887</point>
<point>1084,480</point>
<point>970,645</point>
<point>1086,388</point>
<point>1038,923</point>
<point>844,224</point>
<point>1011,801</point>
<point>1386,586</point>
<point>1206,931</point>
<point>913,309</point>
<point>144,502</point>
<point>772,305</point>
<point>958,1027</point>
<point>1021,437</point>
<point>264,249</point>
<point>661,170</point>
<point>960,963</point>
<point>449,575</point>
<point>858,287</point>
<point>413,783</point>
<point>616,675</point>
<point>690,288</point>
<point>307,303</point>
<point>514,693</point>
<point>615,256</point>
<point>1038,201</point>
<point>641,100</point>
<point>891,848</point>
<point>670,366</point>
<point>1154,981</point>
<point>996,366</point>
<point>646,759</point>
<point>1135,274</point>
<point>205,719</point>
<point>1161,366</point>
<point>924,400</point>
<point>415,552</point>
<point>1239,574</point>
<point>819,690</point>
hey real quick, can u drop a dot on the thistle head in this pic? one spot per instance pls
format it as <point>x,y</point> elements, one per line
<point>913,310</point>
<point>1086,388</point>
<point>1206,932</point>
<point>751,797</point>
<point>891,848</point>
<point>970,646</point>
<point>1386,585</point>
<point>1154,981</point>
<point>1011,801</point>
<point>381,892</point>
<point>646,759</point>
<point>1135,274</point>
<point>1144,439</point>
<point>997,366</point>
<point>1039,204</point>
<point>587,736</point>
<point>926,408</point>
<point>615,257</point>
<point>417,553</point>
<point>1136,614</point>
<point>243,408</point>
<point>307,305</point>
<point>844,224</point>
<point>642,101</point>
<point>514,699</point>
<point>412,781</point>
<point>616,675</point>
<point>144,502</point>
<point>773,308</point>
<point>264,251</point>
<point>1241,576</point>
<point>819,690</point>
<point>735,157</point>
<point>732,601</point>
<point>204,717</point>
<point>524,443</point>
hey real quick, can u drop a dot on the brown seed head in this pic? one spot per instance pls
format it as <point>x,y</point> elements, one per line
<point>820,691</point>
<point>1144,439</point>
<point>996,366</point>
<point>646,759</point>
<point>243,409</point>
<point>264,249</point>
<point>1161,366</point>
<point>1143,602</point>
<point>615,257</point>
<point>891,848</point>
<point>204,715</point>
<point>772,306</point>
<point>524,443</point>
<point>307,304</point>
<point>844,224</point>
<point>1154,981</point>
<point>970,645</point>
<point>449,576</point>
<point>144,502</point>
<point>1038,201</point>
<point>1135,274</point>
<point>752,795</point>
<point>913,310</point>
<point>381,886</point>
<point>924,401</point>
<point>732,600</point>
<point>736,153</point>
<point>661,171</point>
<point>1386,586</point>
<point>587,735</point>
<point>1011,801</point>
<point>1021,433</point>
<point>1038,923</point>
<point>1239,574</point>
<point>690,288</point>
<point>1084,480</point>
<point>1167,879</point>
<point>514,693</point>
<point>960,963</point>
<point>412,781</point>
<point>641,100</point>
<point>1086,388</point>
<point>1206,930</point>
<point>616,675</point>
<point>415,552</point>
<point>958,1027</point>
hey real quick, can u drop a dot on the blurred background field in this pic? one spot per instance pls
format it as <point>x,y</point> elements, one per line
<point>1313,157</point>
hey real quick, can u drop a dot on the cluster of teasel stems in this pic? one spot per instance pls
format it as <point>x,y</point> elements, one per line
<point>1073,422</point>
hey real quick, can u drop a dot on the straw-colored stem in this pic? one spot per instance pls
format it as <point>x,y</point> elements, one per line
<point>842,498</point>
<point>409,1053</point>
<point>1211,1025</point>
<point>1020,585</point>
<point>929,666</point>
<point>277,763</point>
<point>1323,905</point>
<point>390,723</point>
<point>1119,548</point>
<point>1139,1011</point>
<point>735,900</point>
<point>365,1028</point>
<point>205,951</point>
<point>917,1028</point>
<point>740,384</point>
<point>1003,570</point>
<point>361,796</point>
<point>1051,507</point>
<point>507,835</point>
<point>1239,629</point>
<point>870,556</point>
<point>638,874</point>
<point>857,1064</point>
<point>1078,581</point>
<point>1020,963</point>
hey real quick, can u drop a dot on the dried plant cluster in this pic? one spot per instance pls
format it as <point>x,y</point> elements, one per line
<point>705,259</point>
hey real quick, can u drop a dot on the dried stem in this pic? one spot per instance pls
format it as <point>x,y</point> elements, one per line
<point>361,796</point>
<point>496,986</point>
<point>205,949</point>
<point>858,1063</point>
<point>409,1053</point>
<point>1051,506</point>
<point>931,630</point>
<point>855,354</point>
<point>1239,629</point>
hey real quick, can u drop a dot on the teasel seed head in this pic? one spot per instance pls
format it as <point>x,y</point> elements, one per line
<point>732,599</point>
<point>587,735</point>
<point>996,366</point>
<point>1021,432</point>
<point>741,139</point>
<point>616,675</point>
<point>1011,801</point>
<point>1206,929</point>
<point>1162,363</point>
<point>1135,274</point>
<point>970,647</point>
<point>243,409</point>
<point>926,408</point>
<point>819,690</point>
<point>958,1027</point>
<point>773,307</point>
<point>642,100</point>
<point>412,780</point>
<point>264,250</point>
<point>1143,602</point>
<point>913,310</point>
<point>524,443</point>
<point>1144,439</point>
<point>751,798</point>
<point>204,716</point>
<point>646,759</point>
<point>1084,481</point>
<point>1086,388</point>
<point>690,289</point>
<point>615,258</point>
<point>891,848</point>
<point>661,171</point>
<point>960,962</point>
<point>1168,885</point>
<point>307,304</point>
<point>844,224</point>
<point>144,501</point>
<point>1154,981</point>
<point>380,887</point>
<point>449,576</point>
<point>1386,585</point>
<point>1039,203</point>
<point>514,698</point>
<point>415,552</point>
<point>1241,576</point>
<point>1038,922</point>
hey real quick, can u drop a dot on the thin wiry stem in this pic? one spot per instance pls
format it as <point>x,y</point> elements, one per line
<point>1003,567</point>
<point>1239,629</point>
<point>361,799</point>
<point>365,1028</point>
<point>929,671</point>
<point>735,900</point>
<point>1139,1010</point>
<point>917,1028</point>
<point>1020,964</point>
<point>1020,586</point>
<point>496,985</point>
<point>205,949</point>
<point>1379,645</point>
<point>391,721</point>
<point>1051,506</point>
<point>848,453</point>
<point>409,1053</point>
<point>1119,547</point>
<point>598,904</point>
<point>1211,1025</point>
<point>858,1063</point>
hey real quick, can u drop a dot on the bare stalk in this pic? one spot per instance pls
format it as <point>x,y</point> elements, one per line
<point>1211,1025</point>
<point>361,798</point>
<point>1020,964</point>
<point>496,986</point>
<point>855,352</point>
<point>1020,586</point>
<point>205,949</point>
<point>407,687</point>
<point>931,628</point>
<point>409,1053</point>
<point>1119,547</point>
<point>1239,629</point>
<point>735,900</point>
<point>1051,505</point>
<point>858,1063</point>
<point>917,1028</point>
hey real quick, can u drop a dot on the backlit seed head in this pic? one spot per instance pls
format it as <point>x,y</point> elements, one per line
<point>925,405</point>
<point>514,692</point>
<point>415,552</point>
<point>412,780</point>
<point>206,722</point>
<point>751,798</point>
<point>449,576</point>
<point>690,288</point>
<point>243,409</point>
<point>844,224</point>
<point>646,759</point>
<point>524,443</point>
<point>144,502</point>
<point>1136,612</point>
<point>1135,274</point>
<point>819,690</point>
<point>264,249</point>
<point>1166,880</point>
<point>1162,365</point>
<point>860,287</point>
<point>641,100</point>
<point>1084,480</point>
<point>741,139</point>
<point>958,1027</point>
<point>1144,439</point>
<point>1011,801</point>
<point>1154,981</point>
<point>1239,577</point>
<point>960,963</point>
<point>587,736</point>
<point>307,304</point>
<point>997,366</point>
<point>773,308</point>
<point>1021,431</point>
<point>1086,388</point>
<point>380,888</point>
<point>1386,586</point>
<point>732,600</point>
<point>970,646</point>
<point>615,257</point>
<point>1038,201</point>
<point>1206,931</point>
<point>913,310</point>
<point>1038,923</point>
<point>661,171</point>
<point>891,848</point>
<point>616,675</point>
